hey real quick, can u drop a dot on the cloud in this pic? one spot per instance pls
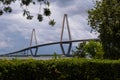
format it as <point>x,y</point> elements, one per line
<point>16,31</point>
<point>4,44</point>
<point>63,3</point>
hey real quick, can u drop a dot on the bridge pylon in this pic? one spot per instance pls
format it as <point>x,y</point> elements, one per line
<point>33,35</point>
<point>65,19</point>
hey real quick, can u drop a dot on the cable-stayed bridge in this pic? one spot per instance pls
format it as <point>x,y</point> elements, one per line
<point>34,53</point>
<point>33,50</point>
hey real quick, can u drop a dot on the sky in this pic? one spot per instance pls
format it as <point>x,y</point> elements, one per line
<point>15,30</point>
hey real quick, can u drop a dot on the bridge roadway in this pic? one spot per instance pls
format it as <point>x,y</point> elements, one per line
<point>52,43</point>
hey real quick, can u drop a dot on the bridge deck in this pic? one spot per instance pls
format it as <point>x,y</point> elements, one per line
<point>52,43</point>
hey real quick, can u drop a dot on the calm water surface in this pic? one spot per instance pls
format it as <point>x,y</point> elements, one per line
<point>37,58</point>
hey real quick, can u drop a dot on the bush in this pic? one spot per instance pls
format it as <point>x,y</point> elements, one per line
<point>92,48</point>
<point>58,69</point>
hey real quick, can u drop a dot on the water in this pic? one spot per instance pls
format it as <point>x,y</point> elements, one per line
<point>37,58</point>
<point>30,57</point>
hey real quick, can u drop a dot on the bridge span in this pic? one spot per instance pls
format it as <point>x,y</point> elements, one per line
<point>34,49</point>
<point>25,50</point>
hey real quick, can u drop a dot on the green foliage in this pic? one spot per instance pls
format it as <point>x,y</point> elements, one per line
<point>24,4</point>
<point>52,22</point>
<point>93,48</point>
<point>55,55</point>
<point>60,69</point>
<point>1,12</point>
<point>7,9</point>
<point>40,17</point>
<point>105,19</point>
<point>80,51</point>
<point>90,48</point>
<point>47,12</point>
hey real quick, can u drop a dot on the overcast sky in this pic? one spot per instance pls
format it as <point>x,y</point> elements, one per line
<point>15,30</point>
